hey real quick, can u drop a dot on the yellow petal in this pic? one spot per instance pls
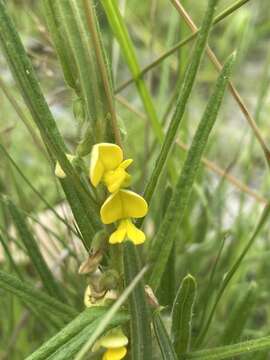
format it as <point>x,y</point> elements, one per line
<point>122,205</point>
<point>111,210</point>
<point>125,164</point>
<point>134,234</point>
<point>115,354</point>
<point>114,339</point>
<point>134,205</point>
<point>118,236</point>
<point>104,157</point>
<point>111,155</point>
<point>115,179</point>
<point>96,167</point>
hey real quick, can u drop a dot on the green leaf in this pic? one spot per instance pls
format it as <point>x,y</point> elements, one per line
<point>163,242</point>
<point>25,292</point>
<point>34,253</point>
<point>232,271</point>
<point>182,313</point>
<point>78,327</point>
<point>120,31</point>
<point>63,52</point>
<point>230,351</point>
<point>80,46</point>
<point>164,341</point>
<point>35,191</point>
<point>140,331</point>
<point>237,319</point>
<point>184,94</point>
<point>23,73</point>
<point>9,256</point>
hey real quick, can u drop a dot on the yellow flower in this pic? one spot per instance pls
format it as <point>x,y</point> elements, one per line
<point>115,354</point>
<point>115,341</point>
<point>124,205</point>
<point>107,165</point>
<point>58,171</point>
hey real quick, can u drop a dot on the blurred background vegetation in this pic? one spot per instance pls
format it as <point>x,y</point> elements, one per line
<point>221,216</point>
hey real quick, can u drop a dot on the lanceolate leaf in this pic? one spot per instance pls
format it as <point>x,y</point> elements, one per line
<point>182,313</point>
<point>231,351</point>
<point>64,53</point>
<point>140,332</point>
<point>69,338</point>
<point>163,241</point>
<point>184,93</point>
<point>164,341</point>
<point>237,319</point>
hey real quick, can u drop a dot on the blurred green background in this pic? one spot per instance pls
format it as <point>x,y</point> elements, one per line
<point>221,217</point>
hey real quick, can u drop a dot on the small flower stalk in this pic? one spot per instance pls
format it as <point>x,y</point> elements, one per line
<point>122,206</point>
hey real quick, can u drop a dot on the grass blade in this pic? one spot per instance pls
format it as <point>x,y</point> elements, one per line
<point>23,73</point>
<point>174,214</point>
<point>74,328</point>
<point>120,31</point>
<point>185,91</point>
<point>230,351</point>
<point>34,253</point>
<point>32,296</point>
<point>164,341</point>
<point>182,313</point>
<point>238,318</point>
<point>232,271</point>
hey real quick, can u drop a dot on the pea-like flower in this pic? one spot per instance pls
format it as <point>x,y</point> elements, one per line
<point>115,341</point>
<point>108,166</point>
<point>122,206</point>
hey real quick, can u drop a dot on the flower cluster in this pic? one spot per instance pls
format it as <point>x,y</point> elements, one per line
<point>122,206</point>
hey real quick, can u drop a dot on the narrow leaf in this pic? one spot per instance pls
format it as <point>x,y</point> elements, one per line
<point>74,328</point>
<point>164,341</point>
<point>121,33</point>
<point>24,75</point>
<point>230,351</point>
<point>30,295</point>
<point>163,243</point>
<point>230,274</point>
<point>140,332</point>
<point>182,313</point>
<point>184,94</point>
<point>238,317</point>
<point>34,253</point>
<point>65,56</point>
